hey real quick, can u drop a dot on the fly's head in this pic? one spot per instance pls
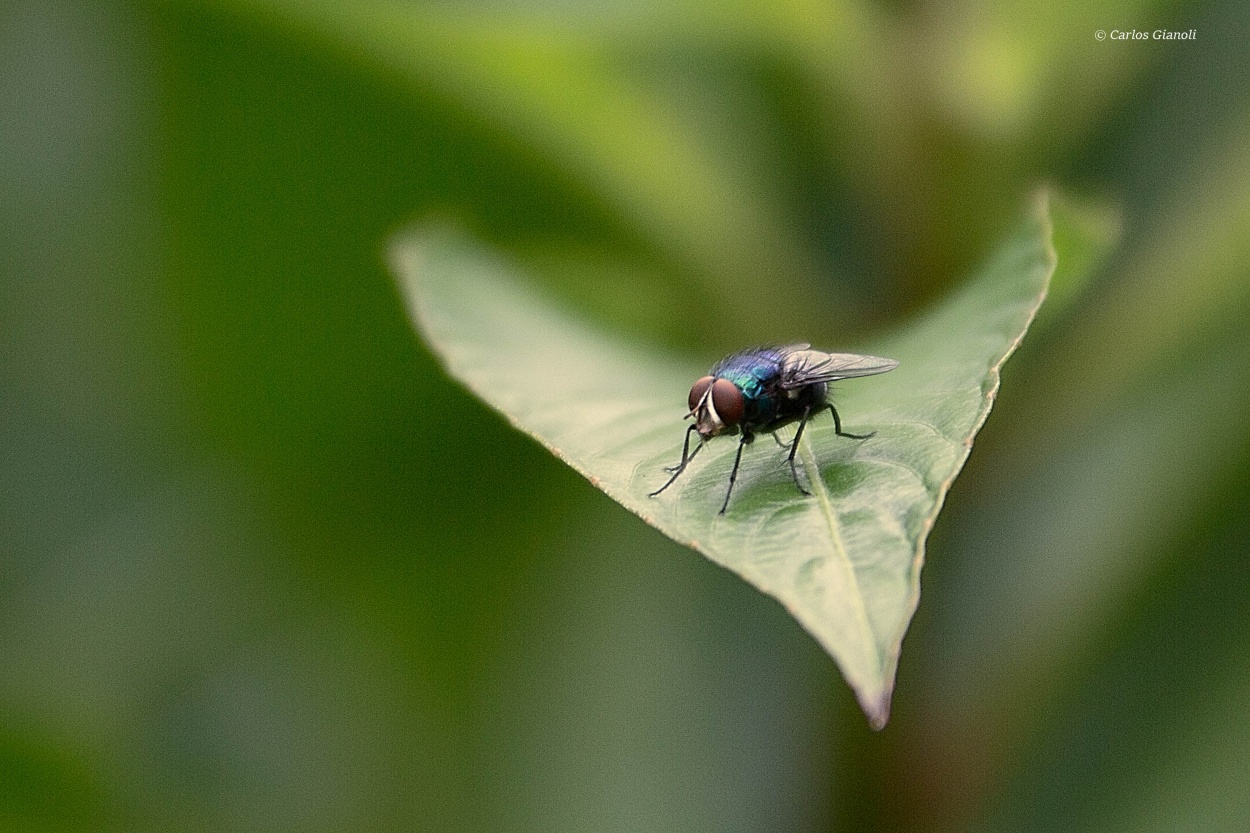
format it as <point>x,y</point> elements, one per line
<point>717,406</point>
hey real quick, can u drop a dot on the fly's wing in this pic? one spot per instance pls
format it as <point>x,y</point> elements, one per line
<point>809,367</point>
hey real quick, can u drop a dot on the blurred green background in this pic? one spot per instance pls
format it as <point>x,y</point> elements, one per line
<point>262,567</point>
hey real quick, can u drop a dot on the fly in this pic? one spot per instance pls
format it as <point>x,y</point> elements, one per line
<point>765,388</point>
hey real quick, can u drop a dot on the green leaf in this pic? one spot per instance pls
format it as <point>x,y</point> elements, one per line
<point>845,561</point>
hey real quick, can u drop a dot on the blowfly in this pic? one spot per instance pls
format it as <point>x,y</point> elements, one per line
<point>759,390</point>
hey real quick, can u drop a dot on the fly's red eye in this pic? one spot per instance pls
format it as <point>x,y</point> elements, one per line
<point>727,399</point>
<point>696,392</point>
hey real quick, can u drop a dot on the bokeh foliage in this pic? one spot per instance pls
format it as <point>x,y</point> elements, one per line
<point>263,567</point>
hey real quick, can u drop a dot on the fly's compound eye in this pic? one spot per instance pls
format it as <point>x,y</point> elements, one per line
<point>698,390</point>
<point>728,402</point>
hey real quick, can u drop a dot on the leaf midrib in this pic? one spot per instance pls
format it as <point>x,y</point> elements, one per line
<point>840,559</point>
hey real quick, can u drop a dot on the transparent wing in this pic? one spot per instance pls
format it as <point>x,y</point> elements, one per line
<point>809,367</point>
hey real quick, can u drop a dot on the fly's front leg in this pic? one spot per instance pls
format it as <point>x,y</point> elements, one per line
<point>686,456</point>
<point>733,475</point>
<point>837,427</point>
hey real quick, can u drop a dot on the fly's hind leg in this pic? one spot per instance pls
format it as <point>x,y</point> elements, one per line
<point>837,427</point>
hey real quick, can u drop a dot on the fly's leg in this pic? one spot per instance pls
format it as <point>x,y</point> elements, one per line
<point>733,475</point>
<point>837,427</point>
<point>686,456</point>
<point>779,443</point>
<point>794,447</point>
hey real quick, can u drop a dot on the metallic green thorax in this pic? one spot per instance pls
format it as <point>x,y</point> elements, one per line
<point>756,372</point>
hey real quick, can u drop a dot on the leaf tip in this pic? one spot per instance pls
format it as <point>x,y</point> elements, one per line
<point>877,709</point>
